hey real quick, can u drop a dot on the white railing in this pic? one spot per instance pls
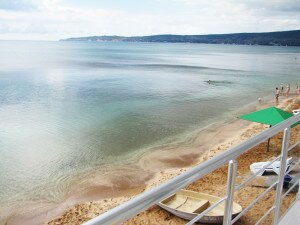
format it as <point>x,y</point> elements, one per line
<point>143,201</point>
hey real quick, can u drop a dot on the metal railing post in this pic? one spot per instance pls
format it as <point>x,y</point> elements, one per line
<point>298,194</point>
<point>284,151</point>
<point>230,192</point>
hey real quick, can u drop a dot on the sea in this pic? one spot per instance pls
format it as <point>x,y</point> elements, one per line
<point>68,108</point>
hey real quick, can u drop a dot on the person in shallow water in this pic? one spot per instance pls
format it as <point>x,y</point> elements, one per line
<point>260,100</point>
<point>287,91</point>
<point>281,87</point>
<point>277,94</point>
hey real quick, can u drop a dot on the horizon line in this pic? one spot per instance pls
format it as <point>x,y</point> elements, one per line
<point>162,34</point>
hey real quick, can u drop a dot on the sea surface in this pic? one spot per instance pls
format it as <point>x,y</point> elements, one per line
<point>67,108</point>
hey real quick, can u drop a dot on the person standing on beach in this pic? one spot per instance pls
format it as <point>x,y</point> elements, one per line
<point>298,90</point>
<point>277,94</point>
<point>288,87</point>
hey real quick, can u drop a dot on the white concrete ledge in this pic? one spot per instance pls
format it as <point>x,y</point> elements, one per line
<point>292,216</point>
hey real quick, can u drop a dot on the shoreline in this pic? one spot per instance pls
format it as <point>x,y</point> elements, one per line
<point>155,215</point>
<point>120,187</point>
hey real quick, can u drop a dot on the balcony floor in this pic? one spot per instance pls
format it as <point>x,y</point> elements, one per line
<point>292,217</point>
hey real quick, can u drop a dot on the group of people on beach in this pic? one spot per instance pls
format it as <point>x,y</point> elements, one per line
<point>287,91</point>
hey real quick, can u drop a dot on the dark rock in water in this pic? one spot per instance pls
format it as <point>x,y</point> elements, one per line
<point>219,82</point>
<point>209,82</point>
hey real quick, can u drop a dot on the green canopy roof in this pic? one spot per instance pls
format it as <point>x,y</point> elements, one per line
<point>271,116</point>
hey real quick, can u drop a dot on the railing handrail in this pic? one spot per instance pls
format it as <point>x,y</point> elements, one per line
<point>152,196</point>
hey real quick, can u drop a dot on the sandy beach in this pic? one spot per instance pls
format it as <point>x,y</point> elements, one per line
<point>213,183</point>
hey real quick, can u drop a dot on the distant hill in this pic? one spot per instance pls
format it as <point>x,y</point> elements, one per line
<point>280,38</point>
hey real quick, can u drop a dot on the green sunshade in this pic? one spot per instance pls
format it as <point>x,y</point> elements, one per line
<point>271,116</point>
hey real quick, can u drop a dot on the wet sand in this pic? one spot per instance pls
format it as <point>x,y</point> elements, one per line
<point>101,191</point>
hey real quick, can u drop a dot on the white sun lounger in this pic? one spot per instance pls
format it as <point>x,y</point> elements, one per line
<point>296,111</point>
<point>274,167</point>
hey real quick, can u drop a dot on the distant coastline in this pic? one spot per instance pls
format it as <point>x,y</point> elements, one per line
<point>280,38</point>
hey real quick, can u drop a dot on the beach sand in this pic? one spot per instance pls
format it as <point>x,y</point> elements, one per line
<point>214,183</point>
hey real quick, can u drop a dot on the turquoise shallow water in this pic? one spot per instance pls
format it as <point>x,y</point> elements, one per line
<point>68,107</point>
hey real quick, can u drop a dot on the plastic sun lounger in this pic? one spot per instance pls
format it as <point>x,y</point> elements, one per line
<point>274,167</point>
<point>296,111</point>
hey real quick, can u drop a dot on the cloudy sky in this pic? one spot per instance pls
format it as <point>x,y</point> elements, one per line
<point>55,19</point>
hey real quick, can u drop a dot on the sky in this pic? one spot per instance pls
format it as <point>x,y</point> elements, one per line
<point>58,19</point>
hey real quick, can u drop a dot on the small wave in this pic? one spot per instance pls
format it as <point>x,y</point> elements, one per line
<point>175,66</point>
<point>147,65</point>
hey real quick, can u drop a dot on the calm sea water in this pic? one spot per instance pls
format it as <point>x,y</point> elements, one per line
<point>68,107</point>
